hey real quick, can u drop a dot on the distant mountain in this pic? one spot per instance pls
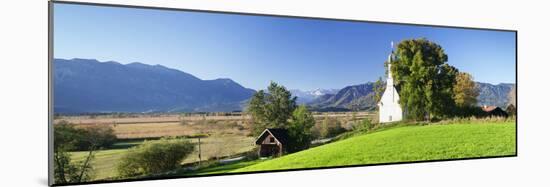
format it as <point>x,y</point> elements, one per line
<point>494,95</point>
<point>361,97</point>
<point>351,97</point>
<point>308,96</point>
<point>90,86</point>
<point>83,85</point>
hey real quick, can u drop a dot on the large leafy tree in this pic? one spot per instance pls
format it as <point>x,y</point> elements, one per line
<point>465,90</point>
<point>272,109</point>
<point>424,79</point>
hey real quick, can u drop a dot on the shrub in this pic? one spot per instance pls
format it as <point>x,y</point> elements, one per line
<point>367,124</point>
<point>252,154</point>
<point>329,127</point>
<point>154,157</point>
<point>350,125</point>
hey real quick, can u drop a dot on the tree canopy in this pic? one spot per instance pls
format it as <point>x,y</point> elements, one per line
<point>272,109</point>
<point>465,90</point>
<point>424,79</point>
<point>299,129</point>
<point>277,109</point>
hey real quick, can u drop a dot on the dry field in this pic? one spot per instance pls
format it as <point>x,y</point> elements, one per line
<point>105,161</point>
<point>227,135</point>
<point>152,126</point>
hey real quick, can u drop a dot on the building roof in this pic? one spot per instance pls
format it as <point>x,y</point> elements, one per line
<point>281,135</point>
<point>488,108</point>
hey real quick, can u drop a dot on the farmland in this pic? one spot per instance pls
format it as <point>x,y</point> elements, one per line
<point>227,135</point>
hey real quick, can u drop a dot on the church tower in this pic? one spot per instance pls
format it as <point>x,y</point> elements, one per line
<point>389,108</point>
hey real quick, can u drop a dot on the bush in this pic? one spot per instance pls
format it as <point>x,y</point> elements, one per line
<point>329,127</point>
<point>367,124</point>
<point>252,154</point>
<point>154,157</point>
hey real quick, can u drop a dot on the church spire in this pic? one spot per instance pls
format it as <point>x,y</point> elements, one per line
<point>389,61</point>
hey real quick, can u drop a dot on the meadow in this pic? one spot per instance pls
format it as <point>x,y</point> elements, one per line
<point>404,144</point>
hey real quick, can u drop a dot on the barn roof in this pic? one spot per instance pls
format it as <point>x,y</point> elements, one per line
<point>488,108</point>
<point>280,135</point>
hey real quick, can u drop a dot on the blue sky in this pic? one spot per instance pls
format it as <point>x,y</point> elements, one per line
<point>252,50</point>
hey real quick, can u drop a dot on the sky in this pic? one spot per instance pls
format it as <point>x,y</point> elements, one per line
<point>303,54</point>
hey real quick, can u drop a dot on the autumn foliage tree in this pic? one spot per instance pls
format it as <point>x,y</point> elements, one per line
<point>511,108</point>
<point>465,90</point>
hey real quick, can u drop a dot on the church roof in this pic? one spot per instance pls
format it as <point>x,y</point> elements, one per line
<point>488,108</point>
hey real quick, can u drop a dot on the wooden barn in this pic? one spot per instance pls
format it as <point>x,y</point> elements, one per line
<point>272,142</point>
<point>494,111</point>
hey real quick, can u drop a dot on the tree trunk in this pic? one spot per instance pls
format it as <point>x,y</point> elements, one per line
<point>86,163</point>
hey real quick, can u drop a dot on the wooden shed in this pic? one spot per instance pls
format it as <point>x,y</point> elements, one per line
<point>272,142</point>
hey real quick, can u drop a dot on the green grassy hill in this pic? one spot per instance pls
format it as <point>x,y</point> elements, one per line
<point>402,144</point>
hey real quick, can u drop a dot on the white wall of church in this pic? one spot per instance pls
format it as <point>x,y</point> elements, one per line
<point>390,110</point>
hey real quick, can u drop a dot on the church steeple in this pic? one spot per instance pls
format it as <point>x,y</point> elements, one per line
<point>390,58</point>
<point>389,107</point>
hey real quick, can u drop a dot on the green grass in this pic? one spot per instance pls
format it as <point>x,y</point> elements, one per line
<point>387,144</point>
<point>104,163</point>
<point>225,168</point>
<point>404,144</point>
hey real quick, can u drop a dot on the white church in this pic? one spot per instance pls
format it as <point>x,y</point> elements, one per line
<point>389,108</point>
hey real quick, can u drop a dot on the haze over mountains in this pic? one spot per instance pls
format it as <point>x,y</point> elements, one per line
<point>90,86</point>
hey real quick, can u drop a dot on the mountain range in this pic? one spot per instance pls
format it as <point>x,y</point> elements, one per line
<point>84,85</point>
<point>356,97</point>
<point>494,95</point>
<point>361,97</point>
<point>90,86</point>
<point>308,96</point>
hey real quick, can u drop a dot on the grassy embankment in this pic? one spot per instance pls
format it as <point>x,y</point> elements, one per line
<point>403,144</point>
